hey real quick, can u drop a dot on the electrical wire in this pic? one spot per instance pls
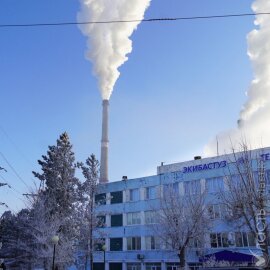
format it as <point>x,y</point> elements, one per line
<point>17,148</point>
<point>136,20</point>
<point>14,190</point>
<point>5,180</point>
<point>14,171</point>
<point>14,145</point>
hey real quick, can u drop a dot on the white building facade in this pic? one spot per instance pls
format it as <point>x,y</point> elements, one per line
<point>127,207</point>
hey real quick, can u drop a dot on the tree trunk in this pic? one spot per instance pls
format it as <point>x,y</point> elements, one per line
<point>91,261</point>
<point>86,260</point>
<point>182,258</point>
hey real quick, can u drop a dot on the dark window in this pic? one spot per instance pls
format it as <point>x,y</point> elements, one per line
<point>219,240</point>
<point>99,243</point>
<point>98,266</point>
<point>101,221</point>
<point>173,266</point>
<point>116,220</point>
<point>100,198</point>
<point>116,244</point>
<point>116,197</point>
<point>115,266</point>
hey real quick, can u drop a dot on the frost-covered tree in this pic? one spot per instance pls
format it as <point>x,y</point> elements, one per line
<point>60,195</point>
<point>181,220</point>
<point>58,173</point>
<point>42,228</point>
<point>15,238</point>
<point>90,219</point>
<point>247,196</point>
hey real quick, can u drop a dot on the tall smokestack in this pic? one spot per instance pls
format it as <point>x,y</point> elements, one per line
<point>104,175</point>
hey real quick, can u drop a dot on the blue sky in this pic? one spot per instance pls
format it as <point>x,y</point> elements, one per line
<point>184,82</point>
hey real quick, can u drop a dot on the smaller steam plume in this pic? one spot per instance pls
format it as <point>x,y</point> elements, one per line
<point>109,44</point>
<point>259,54</point>
<point>253,124</point>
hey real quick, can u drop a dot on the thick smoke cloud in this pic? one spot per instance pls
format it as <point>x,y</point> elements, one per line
<point>109,44</point>
<point>253,123</point>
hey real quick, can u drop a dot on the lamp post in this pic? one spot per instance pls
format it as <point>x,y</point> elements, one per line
<point>104,254</point>
<point>55,240</point>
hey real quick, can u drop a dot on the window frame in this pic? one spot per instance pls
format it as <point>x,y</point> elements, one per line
<point>114,216</point>
<point>130,217</point>
<point>116,200</point>
<point>134,243</point>
<point>150,193</point>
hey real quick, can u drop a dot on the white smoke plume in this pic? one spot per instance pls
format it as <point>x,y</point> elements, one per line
<point>254,121</point>
<point>109,44</point>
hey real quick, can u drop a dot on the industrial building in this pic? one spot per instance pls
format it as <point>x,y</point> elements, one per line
<point>127,208</point>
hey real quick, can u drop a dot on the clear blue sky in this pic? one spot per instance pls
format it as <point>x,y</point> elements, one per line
<point>184,82</point>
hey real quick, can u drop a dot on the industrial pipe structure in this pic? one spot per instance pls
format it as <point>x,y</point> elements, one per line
<point>104,174</point>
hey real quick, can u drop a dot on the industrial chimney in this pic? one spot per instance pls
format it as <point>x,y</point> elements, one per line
<point>104,175</point>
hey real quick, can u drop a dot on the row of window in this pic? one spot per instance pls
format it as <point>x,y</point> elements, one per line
<point>215,211</point>
<point>133,218</point>
<point>240,239</point>
<point>157,266</point>
<point>217,240</point>
<point>212,185</point>
<point>134,243</point>
<point>132,195</point>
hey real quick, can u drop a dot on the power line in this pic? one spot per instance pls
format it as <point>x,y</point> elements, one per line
<point>12,168</point>
<point>136,20</point>
<point>15,145</point>
<point>12,189</point>
<point>4,179</point>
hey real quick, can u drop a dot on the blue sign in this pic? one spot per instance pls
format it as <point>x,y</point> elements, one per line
<point>204,167</point>
<point>265,156</point>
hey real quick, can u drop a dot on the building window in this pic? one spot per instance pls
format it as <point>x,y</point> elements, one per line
<point>100,199</point>
<point>114,266</point>
<point>267,177</point>
<point>150,217</point>
<point>150,193</point>
<point>133,266</point>
<point>171,188</point>
<point>133,195</point>
<point>101,221</point>
<point>245,239</point>
<point>117,220</point>
<point>219,240</point>
<point>153,266</point>
<point>116,197</point>
<point>134,218</point>
<point>152,242</point>
<point>116,244</point>
<point>214,184</point>
<point>99,243</point>
<point>217,211</point>
<point>133,243</point>
<point>192,187</point>
<point>172,266</point>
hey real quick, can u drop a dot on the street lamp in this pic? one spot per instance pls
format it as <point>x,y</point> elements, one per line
<point>104,253</point>
<point>55,240</point>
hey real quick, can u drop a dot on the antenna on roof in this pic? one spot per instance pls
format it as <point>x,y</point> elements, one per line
<point>217,146</point>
